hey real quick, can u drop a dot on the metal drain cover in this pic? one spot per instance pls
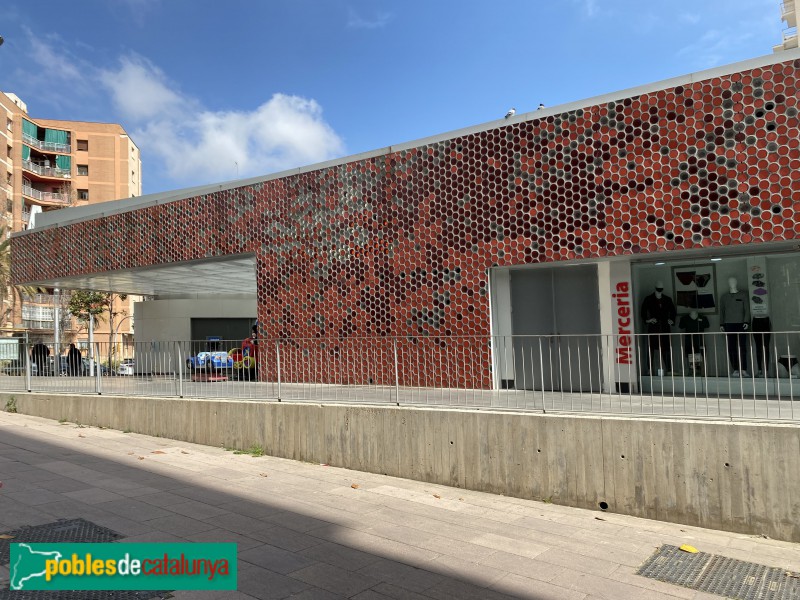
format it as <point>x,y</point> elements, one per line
<point>720,575</point>
<point>66,531</point>
<point>62,531</point>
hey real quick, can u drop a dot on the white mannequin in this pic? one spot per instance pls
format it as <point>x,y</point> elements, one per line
<point>733,287</point>
<point>658,294</point>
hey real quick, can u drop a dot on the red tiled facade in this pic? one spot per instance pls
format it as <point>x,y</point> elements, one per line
<point>399,245</point>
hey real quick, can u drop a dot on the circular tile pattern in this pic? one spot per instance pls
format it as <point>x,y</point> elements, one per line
<point>399,245</point>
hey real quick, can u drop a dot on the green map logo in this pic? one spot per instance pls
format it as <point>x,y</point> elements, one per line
<point>29,564</point>
<point>123,566</point>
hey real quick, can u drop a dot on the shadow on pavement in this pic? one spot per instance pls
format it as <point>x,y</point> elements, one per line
<point>302,530</point>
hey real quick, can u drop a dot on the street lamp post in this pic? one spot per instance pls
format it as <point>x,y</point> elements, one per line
<point>116,330</point>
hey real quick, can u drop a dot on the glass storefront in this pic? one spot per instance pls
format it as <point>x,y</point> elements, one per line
<point>718,317</point>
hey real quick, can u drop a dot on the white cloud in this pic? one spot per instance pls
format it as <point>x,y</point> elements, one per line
<point>356,21</point>
<point>196,145</point>
<point>176,133</point>
<point>59,69</point>
<point>590,8</point>
<point>753,20</point>
<point>141,90</point>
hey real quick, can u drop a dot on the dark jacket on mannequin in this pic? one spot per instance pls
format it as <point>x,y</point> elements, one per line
<point>662,309</point>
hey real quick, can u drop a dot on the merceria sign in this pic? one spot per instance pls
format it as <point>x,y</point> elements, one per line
<point>624,322</point>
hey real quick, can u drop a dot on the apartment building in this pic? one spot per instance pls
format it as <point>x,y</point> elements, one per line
<point>51,164</point>
<point>789,16</point>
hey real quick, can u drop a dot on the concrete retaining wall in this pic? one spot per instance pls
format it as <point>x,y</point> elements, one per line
<point>741,477</point>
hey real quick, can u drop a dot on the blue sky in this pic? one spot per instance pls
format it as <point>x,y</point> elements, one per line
<point>208,88</point>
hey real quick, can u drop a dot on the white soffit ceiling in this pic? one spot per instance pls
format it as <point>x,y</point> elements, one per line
<point>212,277</point>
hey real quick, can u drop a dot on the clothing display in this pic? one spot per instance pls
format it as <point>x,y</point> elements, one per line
<point>693,343</point>
<point>663,311</point>
<point>734,307</point>
<point>761,329</point>
<point>737,345</point>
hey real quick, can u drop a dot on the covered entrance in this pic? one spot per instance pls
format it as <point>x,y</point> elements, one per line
<point>552,336</point>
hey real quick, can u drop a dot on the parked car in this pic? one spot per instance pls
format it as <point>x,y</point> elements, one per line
<point>104,370</point>
<point>64,366</point>
<point>17,367</point>
<point>126,367</point>
<point>217,360</point>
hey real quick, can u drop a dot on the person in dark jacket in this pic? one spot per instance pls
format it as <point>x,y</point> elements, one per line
<point>659,314</point>
<point>39,356</point>
<point>74,360</point>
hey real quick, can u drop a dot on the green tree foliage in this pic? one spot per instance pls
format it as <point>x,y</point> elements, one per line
<point>98,306</point>
<point>83,305</point>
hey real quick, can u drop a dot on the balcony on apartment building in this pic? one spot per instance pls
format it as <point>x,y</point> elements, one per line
<point>44,139</point>
<point>788,12</point>
<point>45,197</point>
<point>47,146</point>
<point>43,169</point>
<point>38,312</point>
<point>789,40</point>
<point>789,16</point>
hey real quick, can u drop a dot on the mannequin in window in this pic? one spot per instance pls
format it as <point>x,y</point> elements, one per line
<point>761,334</point>
<point>693,343</point>
<point>658,312</point>
<point>734,318</point>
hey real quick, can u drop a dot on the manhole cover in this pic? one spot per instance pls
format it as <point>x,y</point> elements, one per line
<point>63,531</point>
<point>66,531</point>
<point>720,575</point>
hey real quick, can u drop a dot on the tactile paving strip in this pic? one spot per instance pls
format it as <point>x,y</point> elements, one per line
<point>66,531</point>
<point>721,575</point>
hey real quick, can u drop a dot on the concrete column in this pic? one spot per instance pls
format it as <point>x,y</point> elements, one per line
<point>500,325</point>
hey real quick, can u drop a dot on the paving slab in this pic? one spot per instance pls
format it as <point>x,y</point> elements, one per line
<point>303,531</point>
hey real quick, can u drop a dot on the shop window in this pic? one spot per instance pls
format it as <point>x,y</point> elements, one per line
<point>83,145</point>
<point>83,169</point>
<point>83,194</point>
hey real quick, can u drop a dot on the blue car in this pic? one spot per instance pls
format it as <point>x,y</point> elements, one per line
<point>210,360</point>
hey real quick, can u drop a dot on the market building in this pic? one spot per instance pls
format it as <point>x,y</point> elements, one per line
<point>535,245</point>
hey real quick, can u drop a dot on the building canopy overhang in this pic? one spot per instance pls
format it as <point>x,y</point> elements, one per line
<point>214,277</point>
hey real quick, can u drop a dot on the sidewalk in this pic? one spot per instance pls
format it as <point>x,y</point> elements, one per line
<point>317,532</point>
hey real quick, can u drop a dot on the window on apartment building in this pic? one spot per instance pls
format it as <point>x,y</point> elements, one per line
<point>8,178</point>
<point>83,169</point>
<point>83,194</point>
<point>9,124</point>
<point>9,152</point>
<point>83,145</point>
<point>9,205</point>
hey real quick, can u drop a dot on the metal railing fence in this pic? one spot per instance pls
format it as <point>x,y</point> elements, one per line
<point>45,196</point>
<point>46,146</point>
<point>46,170</point>
<point>749,375</point>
